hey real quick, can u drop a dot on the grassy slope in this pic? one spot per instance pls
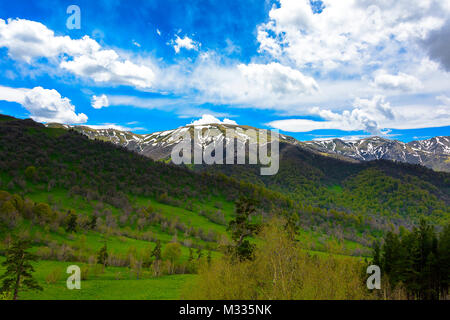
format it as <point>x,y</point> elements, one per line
<point>121,244</point>
<point>105,285</point>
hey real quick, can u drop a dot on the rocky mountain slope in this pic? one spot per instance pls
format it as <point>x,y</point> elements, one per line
<point>433,153</point>
<point>313,181</point>
<point>326,193</point>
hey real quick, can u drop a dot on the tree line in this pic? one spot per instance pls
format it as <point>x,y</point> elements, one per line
<point>415,264</point>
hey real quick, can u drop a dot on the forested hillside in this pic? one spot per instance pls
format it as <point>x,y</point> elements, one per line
<point>400,192</point>
<point>75,198</point>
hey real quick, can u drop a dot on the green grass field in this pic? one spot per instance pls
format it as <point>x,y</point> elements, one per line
<point>121,282</point>
<point>114,283</point>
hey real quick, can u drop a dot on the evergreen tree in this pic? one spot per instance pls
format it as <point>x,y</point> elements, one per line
<point>241,228</point>
<point>19,270</point>
<point>157,251</point>
<point>390,254</point>
<point>71,221</point>
<point>376,253</point>
<point>444,261</point>
<point>419,261</point>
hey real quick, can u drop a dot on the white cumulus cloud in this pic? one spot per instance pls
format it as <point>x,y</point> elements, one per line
<point>366,115</point>
<point>401,81</point>
<point>99,102</point>
<point>29,40</point>
<point>210,119</point>
<point>44,105</point>
<point>259,85</point>
<point>375,116</point>
<point>347,32</point>
<point>185,42</point>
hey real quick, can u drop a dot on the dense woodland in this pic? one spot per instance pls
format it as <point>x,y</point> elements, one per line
<point>416,263</point>
<point>181,220</point>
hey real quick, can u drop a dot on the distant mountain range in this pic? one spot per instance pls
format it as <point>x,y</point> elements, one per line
<point>310,176</point>
<point>433,153</point>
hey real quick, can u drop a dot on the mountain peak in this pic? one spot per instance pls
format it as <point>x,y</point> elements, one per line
<point>433,153</point>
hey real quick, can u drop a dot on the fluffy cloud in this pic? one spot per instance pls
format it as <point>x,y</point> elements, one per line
<point>438,45</point>
<point>182,107</point>
<point>366,115</point>
<point>420,116</point>
<point>375,106</point>
<point>444,99</point>
<point>346,32</point>
<point>209,119</point>
<point>185,42</point>
<point>48,106</point>
<point>353,48</point>
<point>277,79</point>
<point>13,94</point>
<point>113,126</point>
<point>373,116</point>
<point>44,105</point>
<point>259,85</point>
<point>99,102</point>
<point>29,40</point>
<point>401,81</point>
<point>266,85</point>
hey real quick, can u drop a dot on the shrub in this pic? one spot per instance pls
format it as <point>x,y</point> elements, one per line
<point>54,276</point>
<point>281,269</point>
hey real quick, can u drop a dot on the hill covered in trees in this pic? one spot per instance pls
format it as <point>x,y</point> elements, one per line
<point>70,196</point>
<point>433,153</point>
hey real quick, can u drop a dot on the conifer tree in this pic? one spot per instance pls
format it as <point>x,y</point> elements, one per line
<point>376,253</point>
<point>443,261</point>
<point>19,270</point>
<point>241,228</point>
<point>157,251</point>
<point>418,261</point>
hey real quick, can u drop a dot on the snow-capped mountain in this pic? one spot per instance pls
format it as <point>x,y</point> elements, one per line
<point>158,145</point>
<point>433,153</point>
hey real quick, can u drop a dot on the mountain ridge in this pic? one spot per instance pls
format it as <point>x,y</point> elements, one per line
<point>402,193</point>
<point>433,153</point>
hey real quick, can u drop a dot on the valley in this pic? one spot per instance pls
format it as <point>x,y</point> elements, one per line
<point>130,203</point>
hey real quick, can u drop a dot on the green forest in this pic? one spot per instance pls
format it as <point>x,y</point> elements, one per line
<point>144,229</point>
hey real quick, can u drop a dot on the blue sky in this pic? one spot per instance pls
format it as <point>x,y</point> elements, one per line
<point>313,69</point>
